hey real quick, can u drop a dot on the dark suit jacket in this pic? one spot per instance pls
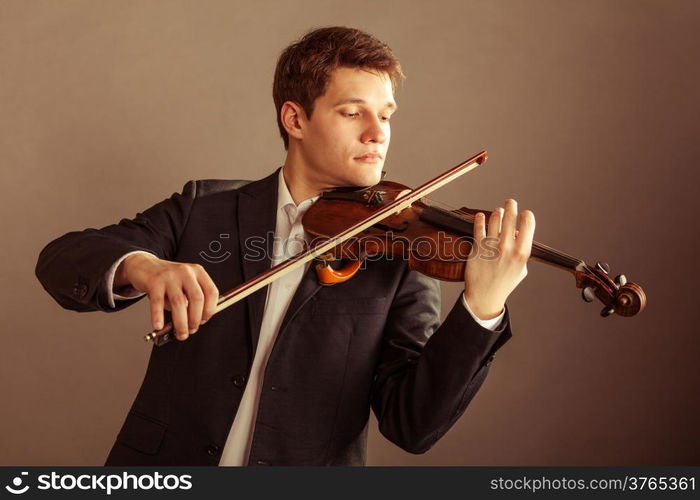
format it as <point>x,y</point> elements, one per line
<point>374,341</point>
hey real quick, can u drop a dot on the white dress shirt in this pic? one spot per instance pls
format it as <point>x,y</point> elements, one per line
<point>289,240</point>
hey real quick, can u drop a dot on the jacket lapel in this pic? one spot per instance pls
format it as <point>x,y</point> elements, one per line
<point>257,217</point>
<point>257,207</point>
<point>308,286</point>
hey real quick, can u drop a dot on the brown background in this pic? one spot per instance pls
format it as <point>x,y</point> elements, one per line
<point>589,111</point>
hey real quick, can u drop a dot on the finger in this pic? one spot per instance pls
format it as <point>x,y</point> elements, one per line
<point>494,228</point>
<point>156,296</point>
<point>478,233</point>
<point>479,227</point>
<point>195,302</point>
<point>178,301</point>
<point>509,220</point>
<point>211,294</point>
<point>526,233</point>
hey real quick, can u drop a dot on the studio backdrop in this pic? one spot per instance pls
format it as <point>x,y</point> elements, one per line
<point>589,114</point>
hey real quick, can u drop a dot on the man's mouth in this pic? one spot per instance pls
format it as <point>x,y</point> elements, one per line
<point>369,157</point>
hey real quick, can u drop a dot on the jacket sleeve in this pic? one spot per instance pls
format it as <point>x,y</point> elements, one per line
<point>429,372</point>
<point>73,267</point>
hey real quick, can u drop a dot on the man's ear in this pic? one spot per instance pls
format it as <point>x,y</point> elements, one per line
<point>293,119</point>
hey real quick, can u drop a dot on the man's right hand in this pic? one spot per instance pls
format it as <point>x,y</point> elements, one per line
<point>184,289</point>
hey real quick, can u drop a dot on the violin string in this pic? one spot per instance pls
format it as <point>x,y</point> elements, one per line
<point>468,217</point>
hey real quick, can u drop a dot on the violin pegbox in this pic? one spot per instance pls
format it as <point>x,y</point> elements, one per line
<point>617,295</point>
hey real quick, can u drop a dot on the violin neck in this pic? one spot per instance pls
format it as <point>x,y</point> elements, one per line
<point>462,223</point>
<point>554,257</point>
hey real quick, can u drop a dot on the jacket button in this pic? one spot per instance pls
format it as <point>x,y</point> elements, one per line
<point>238,380</point>
<point>490,360</point>
<point>213,450</point>
<point>80,290</point>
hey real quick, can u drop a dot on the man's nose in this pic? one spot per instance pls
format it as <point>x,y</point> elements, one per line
<point>374,132</point>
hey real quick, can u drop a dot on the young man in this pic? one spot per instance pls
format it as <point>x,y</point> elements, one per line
<point>288,376</point>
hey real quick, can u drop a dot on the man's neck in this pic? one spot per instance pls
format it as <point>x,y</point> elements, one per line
<point>299,185</point>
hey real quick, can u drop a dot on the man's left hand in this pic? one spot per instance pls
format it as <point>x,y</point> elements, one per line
<point>489,279</point>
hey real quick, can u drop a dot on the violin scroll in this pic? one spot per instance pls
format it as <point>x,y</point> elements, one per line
<point>618,295</point>
<point>631,299</point>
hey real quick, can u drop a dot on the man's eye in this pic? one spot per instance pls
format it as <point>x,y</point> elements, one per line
<point>350,114</point>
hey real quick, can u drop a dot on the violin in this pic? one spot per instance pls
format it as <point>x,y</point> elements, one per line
<point>390,220</point>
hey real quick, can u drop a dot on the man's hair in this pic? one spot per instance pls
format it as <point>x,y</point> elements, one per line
<point>304,68</point>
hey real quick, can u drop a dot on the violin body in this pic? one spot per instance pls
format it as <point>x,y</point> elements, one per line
<point>428,249</point>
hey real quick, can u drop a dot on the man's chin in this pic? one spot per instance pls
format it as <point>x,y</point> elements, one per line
<point>368,177</point>
<point>358,177</point>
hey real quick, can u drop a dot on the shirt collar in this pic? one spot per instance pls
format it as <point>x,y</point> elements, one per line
<point>285,202</point>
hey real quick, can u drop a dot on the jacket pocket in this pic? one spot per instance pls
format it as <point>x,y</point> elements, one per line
<point>142,433</point>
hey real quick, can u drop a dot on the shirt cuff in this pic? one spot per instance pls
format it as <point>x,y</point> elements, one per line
<point>127,292</point>
<point>490,324</point>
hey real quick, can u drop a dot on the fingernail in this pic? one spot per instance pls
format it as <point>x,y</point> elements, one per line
<point>193,330</point>
<point>203,321</point>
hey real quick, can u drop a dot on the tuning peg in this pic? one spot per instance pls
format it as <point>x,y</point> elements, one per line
<point>603,266</point>
<point>620,280</point>
<point>607,311</point>
<point>588,293</point>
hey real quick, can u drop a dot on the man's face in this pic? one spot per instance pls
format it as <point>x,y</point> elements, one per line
<point>347,138</point>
